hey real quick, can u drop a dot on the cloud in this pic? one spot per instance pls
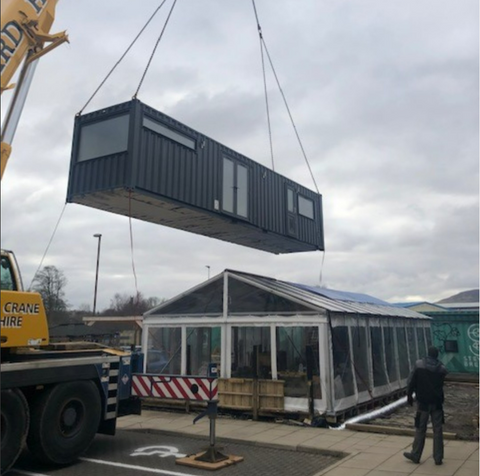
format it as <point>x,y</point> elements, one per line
<point>383,95</point>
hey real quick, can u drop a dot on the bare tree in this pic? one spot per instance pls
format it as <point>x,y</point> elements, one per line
<point>50,282</point>
<point>125,305</point>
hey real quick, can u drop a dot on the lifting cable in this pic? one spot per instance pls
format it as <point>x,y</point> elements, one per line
<point>131,244</point>
<point>134,97</point>
<point>155,47</point>
<point>48,246</point>
<point>260,35</point>
<point>123,56</point>
<point>264,45</point>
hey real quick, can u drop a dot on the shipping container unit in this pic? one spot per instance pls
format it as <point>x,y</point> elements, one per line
<point>135,161</point>
<point>285,347</point>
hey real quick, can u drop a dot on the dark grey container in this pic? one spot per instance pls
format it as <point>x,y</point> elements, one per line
<point>135,161</point>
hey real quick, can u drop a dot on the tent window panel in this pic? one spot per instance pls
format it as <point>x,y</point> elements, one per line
<point>412,352</point>
<point>390,354</point>
<point>164,351</point>
<point>360,357</point>
<point>251,352</point>
<point>421,342</point>
<point>428,336</point>
<point>402,352</point>
<point>206,300</point>
<point>247,298</point>
<point>378,357</point>
<point>342,363</point>
<point>203,348</point>
<point>297,360</point>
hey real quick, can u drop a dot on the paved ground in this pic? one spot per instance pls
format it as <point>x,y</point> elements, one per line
<point>139,452</point>
<point>368,454</point>
<point>150,443</point>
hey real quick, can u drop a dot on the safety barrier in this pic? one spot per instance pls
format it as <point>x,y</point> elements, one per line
<point>203,389</point>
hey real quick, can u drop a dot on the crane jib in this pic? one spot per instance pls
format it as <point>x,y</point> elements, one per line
<point>11,38</point>
<point>13,34</point>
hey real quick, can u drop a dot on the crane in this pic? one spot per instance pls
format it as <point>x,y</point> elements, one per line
<point>25,37</point>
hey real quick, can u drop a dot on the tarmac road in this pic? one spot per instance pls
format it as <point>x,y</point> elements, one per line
<point>137,453</point>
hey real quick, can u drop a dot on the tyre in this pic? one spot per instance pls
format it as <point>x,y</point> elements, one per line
<point>14,426</point>
<point>63,422</point>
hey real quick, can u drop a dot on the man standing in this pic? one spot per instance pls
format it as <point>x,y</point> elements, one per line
<point>426,380</point>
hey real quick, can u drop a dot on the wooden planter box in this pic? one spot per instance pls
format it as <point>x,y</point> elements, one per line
<point>251,395</point>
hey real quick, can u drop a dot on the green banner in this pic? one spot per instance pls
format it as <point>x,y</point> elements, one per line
<point>458,343</point>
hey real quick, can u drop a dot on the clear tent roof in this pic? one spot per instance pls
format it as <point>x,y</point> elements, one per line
<point>207,297</point>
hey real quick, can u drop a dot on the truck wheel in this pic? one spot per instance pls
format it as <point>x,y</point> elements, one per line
<point>14,429</point>
<point>64,421</point>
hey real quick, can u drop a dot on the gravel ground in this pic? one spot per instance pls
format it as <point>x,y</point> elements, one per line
<point>461,412</point>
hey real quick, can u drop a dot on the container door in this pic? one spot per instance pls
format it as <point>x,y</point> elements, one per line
<point>292,219</point>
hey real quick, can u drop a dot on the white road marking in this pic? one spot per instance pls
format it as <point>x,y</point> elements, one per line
<point>27,473</point>
<point>161,451</point>
<point>132,466</point>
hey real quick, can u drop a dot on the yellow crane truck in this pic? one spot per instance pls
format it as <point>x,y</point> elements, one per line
<point>54,397</point>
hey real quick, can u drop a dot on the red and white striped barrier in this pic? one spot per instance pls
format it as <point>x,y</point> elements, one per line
<point>202,389</point>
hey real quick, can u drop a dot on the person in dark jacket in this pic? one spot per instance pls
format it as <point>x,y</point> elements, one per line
<point>426,380</point>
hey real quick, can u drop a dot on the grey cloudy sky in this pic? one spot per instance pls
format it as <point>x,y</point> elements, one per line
<point>385,98</point>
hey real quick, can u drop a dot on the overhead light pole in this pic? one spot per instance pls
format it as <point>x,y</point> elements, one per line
<point>208,267</point>
<point>99,236</point>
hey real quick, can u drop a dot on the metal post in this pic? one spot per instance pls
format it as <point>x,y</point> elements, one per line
<point>99,236</point>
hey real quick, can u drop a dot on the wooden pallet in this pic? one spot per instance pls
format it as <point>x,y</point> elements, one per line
<point>194,463</point>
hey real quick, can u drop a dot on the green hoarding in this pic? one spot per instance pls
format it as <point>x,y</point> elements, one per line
<point>456,336</point>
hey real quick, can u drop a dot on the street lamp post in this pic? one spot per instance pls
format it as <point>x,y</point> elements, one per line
<point>99,236</point>
<point>208,267</point>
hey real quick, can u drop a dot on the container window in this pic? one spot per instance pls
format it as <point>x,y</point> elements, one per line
<point>103,138</point>
<point>297,360</point>
<point>235,188</point>
<point>251,352</point>
<point>168,133</point>
<point>402,352</point>
<point>360,357</point>
<point>203,348</point>
<point>378,357</point>
<point>228,185</point>
<point>242,191</point>
<point>305,207</point>
<point>164,351</point>
<point>290,201</point>
<point>342,363</point>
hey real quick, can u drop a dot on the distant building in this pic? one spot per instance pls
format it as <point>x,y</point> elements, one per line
<point>461,306</point>
<point>78,331</point>
<point>127,329</point>
<point>420,306</point>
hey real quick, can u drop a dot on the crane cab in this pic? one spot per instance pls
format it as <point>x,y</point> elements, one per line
<point>23,320</point>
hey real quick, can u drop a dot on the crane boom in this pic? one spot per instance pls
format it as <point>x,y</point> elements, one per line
<point>25,27</point>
